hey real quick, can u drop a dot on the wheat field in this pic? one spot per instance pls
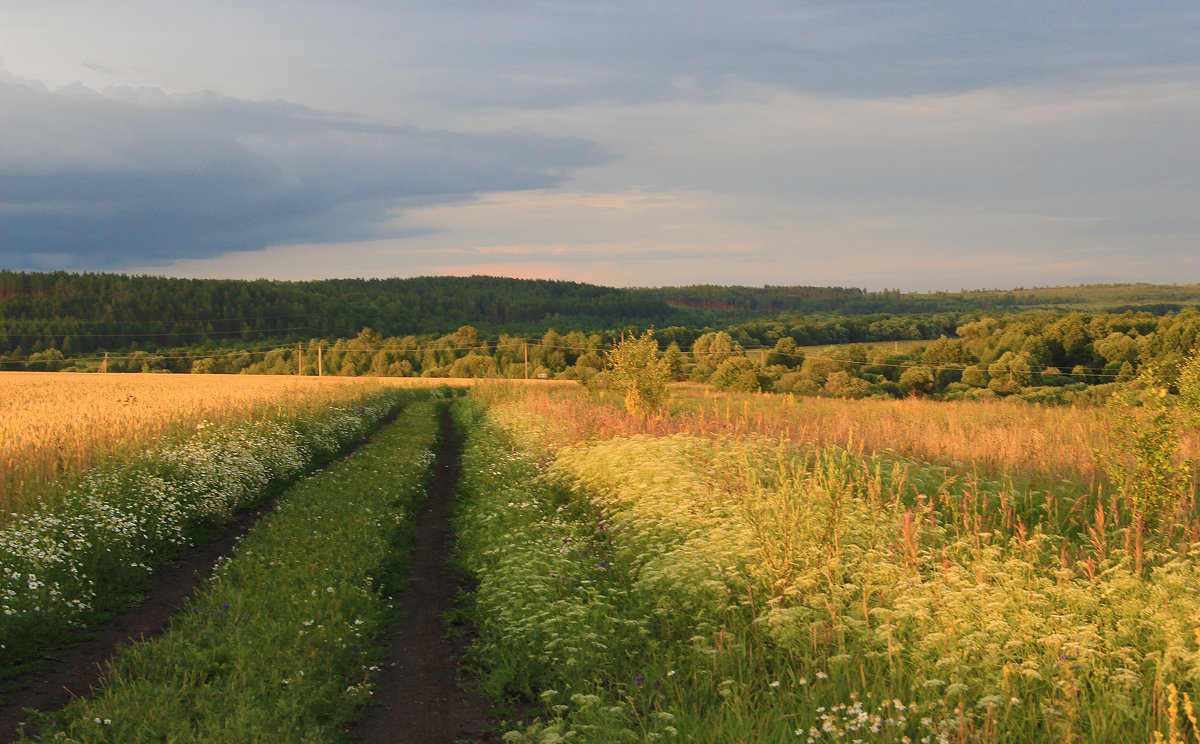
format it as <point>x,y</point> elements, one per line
<point>55,425</point>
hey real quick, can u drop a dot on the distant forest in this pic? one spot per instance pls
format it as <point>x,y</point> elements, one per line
<point>1040,343</point>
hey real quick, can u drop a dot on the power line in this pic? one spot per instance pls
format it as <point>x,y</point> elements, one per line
<point>181,333</point>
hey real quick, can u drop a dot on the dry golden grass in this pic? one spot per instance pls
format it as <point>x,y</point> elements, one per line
<point>1009,437</point>
<point>57,425</point>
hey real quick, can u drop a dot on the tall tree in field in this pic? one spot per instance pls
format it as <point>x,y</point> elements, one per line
<point>638,371</point>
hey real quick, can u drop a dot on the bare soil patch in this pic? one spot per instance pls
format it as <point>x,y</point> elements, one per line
<point>419,693</point>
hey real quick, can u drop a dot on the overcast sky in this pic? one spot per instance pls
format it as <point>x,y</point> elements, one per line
<point>911,145</point>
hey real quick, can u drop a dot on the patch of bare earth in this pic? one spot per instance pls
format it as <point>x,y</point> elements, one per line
<point>419,694</point>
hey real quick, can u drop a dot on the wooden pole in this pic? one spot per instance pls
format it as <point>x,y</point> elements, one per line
<point>526,360</point>
<point>320,364</point>
<point>299,360</point>
<point>104,364</point>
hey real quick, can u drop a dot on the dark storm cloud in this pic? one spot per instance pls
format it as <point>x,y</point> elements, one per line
<point>136,177</point>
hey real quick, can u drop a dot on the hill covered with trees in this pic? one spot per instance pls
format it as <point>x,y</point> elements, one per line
<point>1041,343</point>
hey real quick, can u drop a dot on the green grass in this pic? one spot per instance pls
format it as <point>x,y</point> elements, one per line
<point>278,645</point>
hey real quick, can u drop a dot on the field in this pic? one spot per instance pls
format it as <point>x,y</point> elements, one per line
<point>896,347</point>
<point>56,425</point>
<point>738,568</point>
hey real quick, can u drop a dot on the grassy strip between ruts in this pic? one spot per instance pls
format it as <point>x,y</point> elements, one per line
<point>277,647</point>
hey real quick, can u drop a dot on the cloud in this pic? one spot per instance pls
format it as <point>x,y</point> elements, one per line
<point>886,143</point>
<point>555,53</point>
<point>136,176</point>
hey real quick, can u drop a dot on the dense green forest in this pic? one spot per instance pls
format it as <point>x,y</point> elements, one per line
<point>1046,344</point>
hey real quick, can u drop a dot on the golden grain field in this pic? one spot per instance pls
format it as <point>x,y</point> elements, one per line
<point>55,425</point>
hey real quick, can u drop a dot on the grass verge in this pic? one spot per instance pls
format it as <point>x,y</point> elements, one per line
<point>73,561</point>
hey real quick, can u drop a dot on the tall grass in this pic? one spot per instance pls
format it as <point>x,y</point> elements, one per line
<point>62,563</point>
<point>686,585</point>
<point>1014,438</point>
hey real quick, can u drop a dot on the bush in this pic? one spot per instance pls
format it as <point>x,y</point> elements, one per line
<point>639,372</point>
<point>741,374</point>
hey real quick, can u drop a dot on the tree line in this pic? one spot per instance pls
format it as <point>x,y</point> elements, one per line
<point>491,327</point>
<point>1035,355</point>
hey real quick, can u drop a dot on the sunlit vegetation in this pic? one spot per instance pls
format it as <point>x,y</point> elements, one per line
<point>1045,345</point>
<point>742,570</point>
<point>674,564</point>
<point>68,561</point>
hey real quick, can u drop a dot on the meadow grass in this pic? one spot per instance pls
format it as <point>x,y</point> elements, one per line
<point>277,647</point>
<point>655,580</point>
<point>1011,438</point>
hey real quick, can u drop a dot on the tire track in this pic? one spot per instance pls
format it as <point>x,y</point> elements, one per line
<point>419,695</point>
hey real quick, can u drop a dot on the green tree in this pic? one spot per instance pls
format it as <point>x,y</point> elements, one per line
<point>1143,462</point>
<point>1116,348</point>
<point>638,372</point>
<point>916,381</point>
<point>1189,389</point>
<point>817,369</point>
<point>974,376</point>
<point>785,354</point>
<point>713,348</point>
<point>844,385</point>
<point>741,374</point>
<point>1009,373</point>
<point>672,360</point>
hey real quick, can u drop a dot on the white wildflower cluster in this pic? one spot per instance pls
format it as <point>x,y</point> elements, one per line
<point>55,561</point>
<point>855,722</point>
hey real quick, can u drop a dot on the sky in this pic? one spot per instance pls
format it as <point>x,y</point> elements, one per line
<point>913,145</point>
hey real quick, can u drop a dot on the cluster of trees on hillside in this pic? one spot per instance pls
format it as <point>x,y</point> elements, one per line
<point>1040,356</point>
<point>484,326</point>
<point>79,314</point>
<point>771,300</point>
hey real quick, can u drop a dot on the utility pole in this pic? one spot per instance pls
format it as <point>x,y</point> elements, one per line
<point>299,359</point>
<point>526,345</point>
<point>104,364</point>
<point>320,364</point>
